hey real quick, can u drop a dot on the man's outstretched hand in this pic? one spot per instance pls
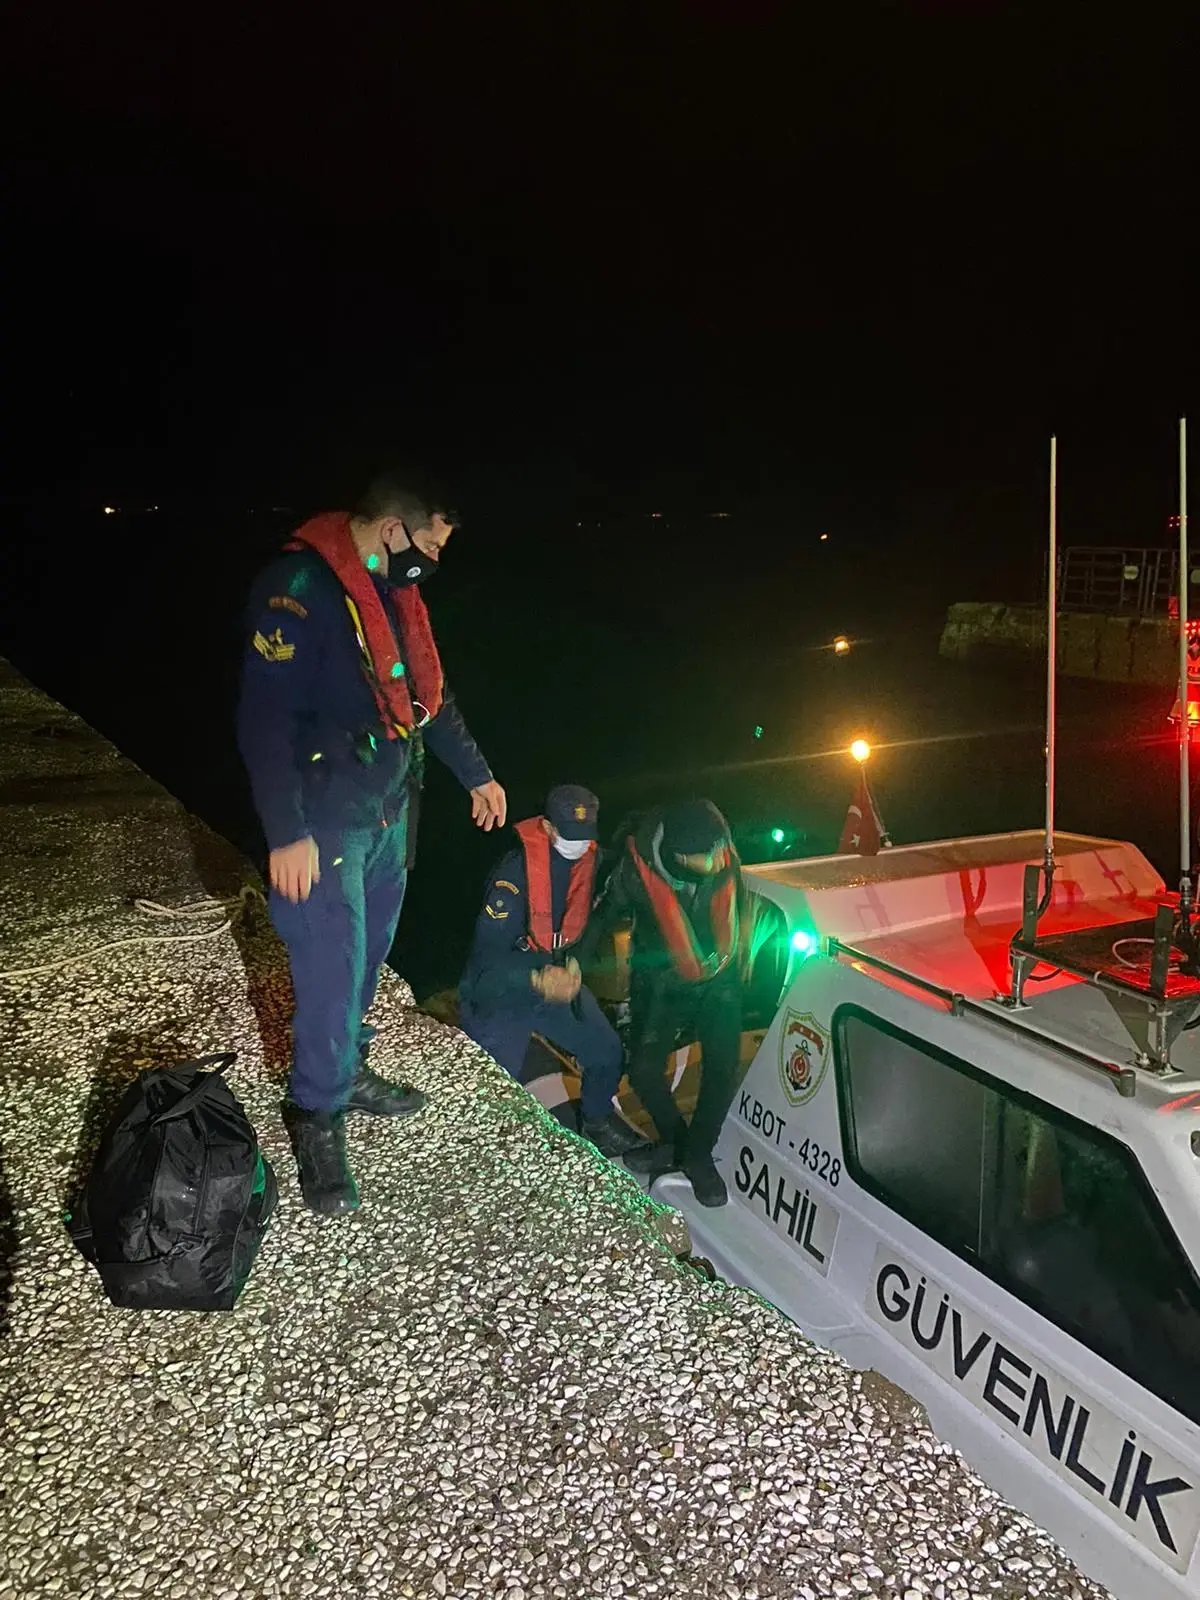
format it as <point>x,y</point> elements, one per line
<point>489,806</point>
<point>295,868</point>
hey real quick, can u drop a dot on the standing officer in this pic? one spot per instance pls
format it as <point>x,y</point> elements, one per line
<point>522,977</point>
<point>679,882</point>
<point>341,688</point>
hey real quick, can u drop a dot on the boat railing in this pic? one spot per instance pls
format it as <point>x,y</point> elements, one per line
<point>1122,1078</point>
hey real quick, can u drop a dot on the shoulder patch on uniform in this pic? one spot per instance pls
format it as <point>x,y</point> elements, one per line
<point>496,916</point>
<point>503,883</point>
<point>284,602</point>
<point>272,647</point>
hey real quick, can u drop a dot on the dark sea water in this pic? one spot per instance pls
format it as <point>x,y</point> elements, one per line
<point>590,656</point>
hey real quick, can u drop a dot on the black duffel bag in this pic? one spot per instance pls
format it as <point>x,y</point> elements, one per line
<point>179,1194</point>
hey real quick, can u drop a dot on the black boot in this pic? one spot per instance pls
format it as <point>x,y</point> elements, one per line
<point>319,1140</point>
<point>611,1135</point>
<point>650,1161</point>
<point>707,1183</point>
<point>378,1098</point>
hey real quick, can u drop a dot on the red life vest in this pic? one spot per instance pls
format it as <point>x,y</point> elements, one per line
<point>396,685</point>
<point>535,842</point>
<point>676,930</point>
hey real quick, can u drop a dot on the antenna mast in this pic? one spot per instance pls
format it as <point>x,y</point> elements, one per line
<point>1051,661</point>
<point>1023,957</point>
<point>1185,798</point>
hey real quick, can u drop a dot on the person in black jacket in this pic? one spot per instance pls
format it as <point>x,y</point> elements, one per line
<point>678,882</point>
<point>522,977</point>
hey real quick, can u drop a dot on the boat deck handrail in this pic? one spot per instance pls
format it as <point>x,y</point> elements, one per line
<point>1123,1079</point>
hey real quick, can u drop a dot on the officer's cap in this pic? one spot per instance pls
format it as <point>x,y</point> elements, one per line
<point>573,811</point>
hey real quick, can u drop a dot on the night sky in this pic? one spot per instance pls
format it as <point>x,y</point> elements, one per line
<point>836,269</point>
<point>855,262</point>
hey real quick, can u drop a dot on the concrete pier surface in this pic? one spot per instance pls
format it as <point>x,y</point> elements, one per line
<point>496,1379</point>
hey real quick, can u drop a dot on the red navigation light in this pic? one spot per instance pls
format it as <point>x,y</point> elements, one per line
<point>1193,707</point>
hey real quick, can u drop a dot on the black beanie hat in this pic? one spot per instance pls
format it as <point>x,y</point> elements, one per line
<point>693,827</point>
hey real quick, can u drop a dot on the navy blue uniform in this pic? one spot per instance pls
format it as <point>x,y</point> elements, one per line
<point>320,765</point>
<point>500,1011</point>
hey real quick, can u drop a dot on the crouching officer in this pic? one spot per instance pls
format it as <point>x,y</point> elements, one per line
<point>678,882</point>
<point>341,687</point>
<point>521,976</point>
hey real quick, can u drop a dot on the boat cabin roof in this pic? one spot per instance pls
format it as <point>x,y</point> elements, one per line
<point>940,858</point>
<point>945,913</point>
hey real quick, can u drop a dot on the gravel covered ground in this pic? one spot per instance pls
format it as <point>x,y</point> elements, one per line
<point>496,1379</point>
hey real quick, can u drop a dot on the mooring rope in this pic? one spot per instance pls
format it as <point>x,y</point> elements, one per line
<point>191,911</point>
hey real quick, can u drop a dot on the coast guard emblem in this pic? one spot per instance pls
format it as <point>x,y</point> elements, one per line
<point>802,1056</point>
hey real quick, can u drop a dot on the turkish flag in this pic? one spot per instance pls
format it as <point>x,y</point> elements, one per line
<point>863,833</point>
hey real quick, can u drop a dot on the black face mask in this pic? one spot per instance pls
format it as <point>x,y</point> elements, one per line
<point>409,566</point>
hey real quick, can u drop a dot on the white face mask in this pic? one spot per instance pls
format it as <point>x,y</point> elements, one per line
<point>572,849</point>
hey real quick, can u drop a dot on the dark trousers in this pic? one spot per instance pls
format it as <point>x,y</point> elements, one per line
<point>337,941</point>
<point>666,1014</point>
<point>581,1030</point>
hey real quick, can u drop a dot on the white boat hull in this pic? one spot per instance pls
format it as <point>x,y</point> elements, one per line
<point>1110,1469</point>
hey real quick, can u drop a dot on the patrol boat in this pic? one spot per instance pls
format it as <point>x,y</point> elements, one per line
<point>966,1154</point>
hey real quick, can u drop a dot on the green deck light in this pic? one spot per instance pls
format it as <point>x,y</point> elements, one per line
<point>758,731</point>
<point>777,836</point>
<point>804,942</point>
